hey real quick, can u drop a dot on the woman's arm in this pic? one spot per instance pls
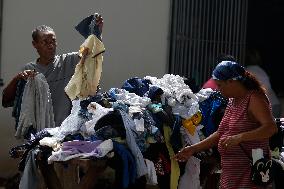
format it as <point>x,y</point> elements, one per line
<point>259,111</point>
<point>205,144</point>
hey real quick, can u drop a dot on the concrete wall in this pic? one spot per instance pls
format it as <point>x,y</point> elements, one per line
<point>135,35</point>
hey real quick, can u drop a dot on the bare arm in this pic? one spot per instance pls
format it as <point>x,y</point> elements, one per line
<point>205,144</point>
<point>9,92</point>
<point>259,111</point>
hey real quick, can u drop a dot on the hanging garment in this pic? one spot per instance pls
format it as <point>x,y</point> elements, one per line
<point>190,179</point>
<point>175,171</point>
<point>151,176</point>
<point>58,74</point>
<point>86,78</point>
<point>132,145</point>
<point>18,101</point>
<point>36,108</point>
<point>30,176</point>
<point>126,168</point>
<point>89,26</point>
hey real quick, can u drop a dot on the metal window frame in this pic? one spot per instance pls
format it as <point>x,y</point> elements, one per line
<point>201,30</point>
<point>1,21</point>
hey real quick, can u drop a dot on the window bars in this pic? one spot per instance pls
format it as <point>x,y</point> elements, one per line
<point>203,29</point>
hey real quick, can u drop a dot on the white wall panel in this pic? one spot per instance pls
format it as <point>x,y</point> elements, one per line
<point>135,36</point>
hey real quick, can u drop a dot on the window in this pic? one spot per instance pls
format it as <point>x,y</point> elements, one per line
<point>203,29</point>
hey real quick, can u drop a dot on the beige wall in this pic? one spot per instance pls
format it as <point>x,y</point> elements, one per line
<point>135,36</point>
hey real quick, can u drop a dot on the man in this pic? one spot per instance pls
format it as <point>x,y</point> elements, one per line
<point>58,70</point>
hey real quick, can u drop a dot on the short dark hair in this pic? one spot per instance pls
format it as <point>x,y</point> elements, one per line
<point>38,29</point>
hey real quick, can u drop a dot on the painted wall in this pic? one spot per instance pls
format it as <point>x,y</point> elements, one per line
<point>135,35</point>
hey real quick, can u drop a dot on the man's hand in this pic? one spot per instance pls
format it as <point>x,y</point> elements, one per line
<point>26,74</point>
<point>99,22</point>
<point>9,92</point>
<point>84,51</point>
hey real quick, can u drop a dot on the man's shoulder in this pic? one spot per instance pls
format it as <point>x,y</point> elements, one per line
<point>29,65</point>
<point>71,57</point>
<point>68,59</point>
<point>70,54</point>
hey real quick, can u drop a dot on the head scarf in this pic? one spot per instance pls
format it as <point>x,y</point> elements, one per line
<point>226,70</point>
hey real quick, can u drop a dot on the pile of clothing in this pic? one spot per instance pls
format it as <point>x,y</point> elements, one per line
<point>140,125</point>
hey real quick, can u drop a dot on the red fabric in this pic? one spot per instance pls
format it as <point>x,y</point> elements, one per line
<point>210,84</point>
<point>235,164</point>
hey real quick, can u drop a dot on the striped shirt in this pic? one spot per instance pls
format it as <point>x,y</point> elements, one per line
<point>235,163</point>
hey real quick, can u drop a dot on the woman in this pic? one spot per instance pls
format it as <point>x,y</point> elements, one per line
<point>247,121</point>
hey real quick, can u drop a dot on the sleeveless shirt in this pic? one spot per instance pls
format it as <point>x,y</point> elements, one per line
<point>234,161</point>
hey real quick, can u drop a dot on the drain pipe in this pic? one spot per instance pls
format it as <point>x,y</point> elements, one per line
<point>1,18</point>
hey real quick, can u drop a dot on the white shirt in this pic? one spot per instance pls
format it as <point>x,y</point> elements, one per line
<point>262,76</point>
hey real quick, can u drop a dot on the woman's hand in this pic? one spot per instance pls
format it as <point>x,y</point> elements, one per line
<point>184,154</point>
<point>230,141</point>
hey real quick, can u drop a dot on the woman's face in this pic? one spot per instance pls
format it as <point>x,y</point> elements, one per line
<point>224,87</point>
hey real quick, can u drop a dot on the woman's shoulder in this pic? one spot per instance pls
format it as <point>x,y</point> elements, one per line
<point>259,103</point>
<point>258,96</point>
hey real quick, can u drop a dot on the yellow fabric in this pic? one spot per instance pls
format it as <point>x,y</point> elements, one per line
<point>188,124</point>
<point>87,76</point>
<point>175,171</point>
<point>196,118</point>
<point>191,123</point>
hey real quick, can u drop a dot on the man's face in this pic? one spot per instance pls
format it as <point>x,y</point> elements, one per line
<point>46,44</point>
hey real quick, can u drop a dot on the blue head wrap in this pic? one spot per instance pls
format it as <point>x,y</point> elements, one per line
<point>226,70</point>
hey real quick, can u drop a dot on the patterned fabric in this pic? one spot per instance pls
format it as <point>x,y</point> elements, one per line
<point>86,78</point>
<point>228,70</point>
<point>235,163</point>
